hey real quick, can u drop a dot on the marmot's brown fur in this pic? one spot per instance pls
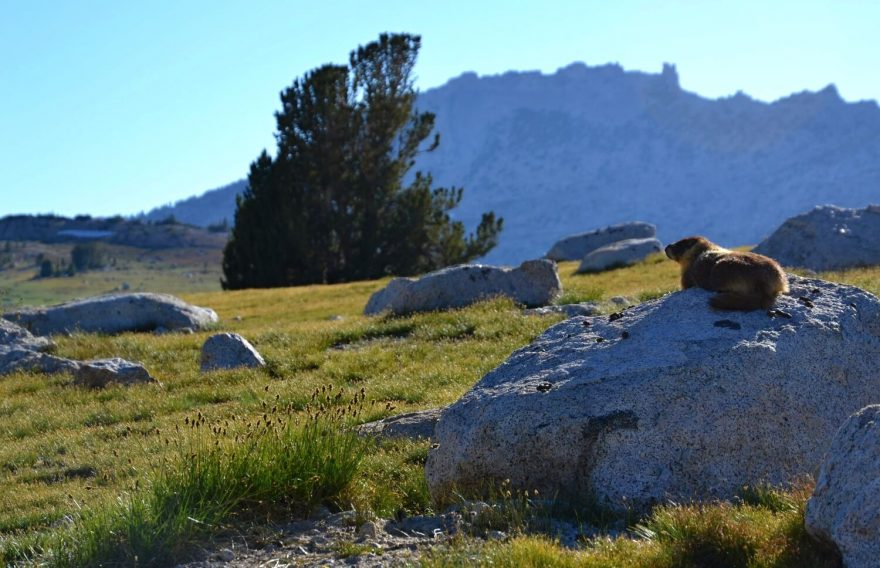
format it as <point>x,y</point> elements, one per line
<point>744,280</point>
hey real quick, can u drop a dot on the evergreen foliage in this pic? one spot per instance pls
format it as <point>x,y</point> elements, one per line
<point>332,205</point>
<point>47,269</point>
<point>87,256</point>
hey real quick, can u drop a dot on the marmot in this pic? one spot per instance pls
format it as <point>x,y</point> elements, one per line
<point>744,280</point>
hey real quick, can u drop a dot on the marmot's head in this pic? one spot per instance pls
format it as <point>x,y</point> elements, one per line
<point>686,249</point>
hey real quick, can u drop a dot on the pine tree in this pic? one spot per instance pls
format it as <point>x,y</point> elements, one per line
<point>332,205</point>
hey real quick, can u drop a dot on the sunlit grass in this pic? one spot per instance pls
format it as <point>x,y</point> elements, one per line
<point>65,450</point>
<point>168,270</point>
<point>728,535</point>
<point>222,470</point>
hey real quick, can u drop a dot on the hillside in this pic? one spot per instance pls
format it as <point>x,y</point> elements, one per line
<point>114,230</point>
<point>588,146</point>
<point>139,256</point>
<point>170,270</point>
<point>91,451</point>
<point>210,208</point>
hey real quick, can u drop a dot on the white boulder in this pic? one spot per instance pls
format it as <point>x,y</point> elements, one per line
<point>620,253</point>
<point>533,283</point>
<point>845,506</point>
<point>229,351</point>
<point>667,400</point>
<point>12,334</point>
<point>18,358</point>
<point>576,247</point>
<point>22,351</point>
<point>827,238</point>
<point>101,372</point>
<point>114,313</point>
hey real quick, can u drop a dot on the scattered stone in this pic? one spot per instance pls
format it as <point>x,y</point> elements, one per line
<point>12,334</point>
<point>621,253</point>
<point>496,535</point>
<point>343,518</point>
<point>620,300</point>
<point>114,313</point>
<point>336,318</point>
<point>369,530</point>
<point>576,247</point>
<point>21,351</point>
<point>229,351</point>
<point>420,525</point>
<point>412,425</point>
<point>101,372</point>
<point>827,238</point>
<point>321,513</point>
<point>17,358</point>
<point>396,542</point>
<point>534,283</point>
<point>681,410</point>
<point>845,506</point>
<point>568,310</point>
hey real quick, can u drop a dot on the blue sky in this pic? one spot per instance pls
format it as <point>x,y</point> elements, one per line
<point>115,107</point>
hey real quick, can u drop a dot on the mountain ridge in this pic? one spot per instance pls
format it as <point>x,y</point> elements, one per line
<point>584,147</point>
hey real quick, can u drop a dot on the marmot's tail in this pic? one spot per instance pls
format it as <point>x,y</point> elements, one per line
<point>740,302</point>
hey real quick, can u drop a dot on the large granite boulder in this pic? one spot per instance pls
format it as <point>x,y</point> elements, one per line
<point>845,506</point>
<point>533,283</point>
<point>229,351</point>
<point>620,253</point>
<point>576,247</point>
<point>667,400</point>
<point>114,313</point>
<point>827,238</point>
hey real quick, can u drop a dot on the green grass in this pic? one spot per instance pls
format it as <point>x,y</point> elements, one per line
<point>95,456</point>
<point>184,270</point>
<point>282,463</point>
<point>716,534</point>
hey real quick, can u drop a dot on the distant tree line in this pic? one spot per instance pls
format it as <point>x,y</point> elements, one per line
<point>333,204</point>
<point>90,255</point>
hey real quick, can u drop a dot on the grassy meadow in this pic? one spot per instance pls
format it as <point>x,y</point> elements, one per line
<point>107,463</point>
<point>173,271</point>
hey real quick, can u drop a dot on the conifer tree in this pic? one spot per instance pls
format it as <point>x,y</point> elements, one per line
<point>333,205</point>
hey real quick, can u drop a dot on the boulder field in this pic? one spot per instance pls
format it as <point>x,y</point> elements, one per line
<point>22,347</point>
